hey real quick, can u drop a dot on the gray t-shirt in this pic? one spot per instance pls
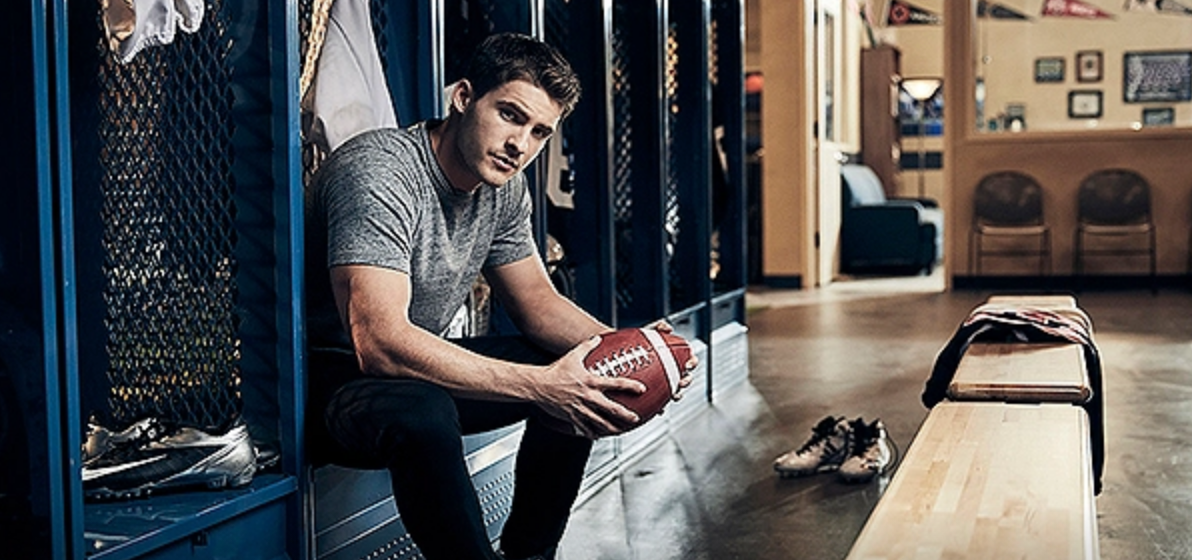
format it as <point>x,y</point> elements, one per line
<point>381,200</point>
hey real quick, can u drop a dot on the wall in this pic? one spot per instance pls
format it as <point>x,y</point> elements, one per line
<point>1007,50</point>
<point>1058,160</point>
<point>787,176</point>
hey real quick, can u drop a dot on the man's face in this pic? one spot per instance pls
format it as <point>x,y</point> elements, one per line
<point>500,133</point>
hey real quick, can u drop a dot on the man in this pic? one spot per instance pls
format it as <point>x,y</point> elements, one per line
<point>403,221</point>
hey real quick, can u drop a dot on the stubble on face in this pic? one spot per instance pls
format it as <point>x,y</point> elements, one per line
<point>496,136</point>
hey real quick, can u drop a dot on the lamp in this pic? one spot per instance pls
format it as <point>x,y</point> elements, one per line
<point>922,90</point>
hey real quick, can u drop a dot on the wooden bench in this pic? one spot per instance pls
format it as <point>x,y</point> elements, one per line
<point>989,480</point>
<point>1037,301</point>
<point>1022,372</point>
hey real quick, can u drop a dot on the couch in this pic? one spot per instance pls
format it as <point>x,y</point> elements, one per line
<point>881,235</point>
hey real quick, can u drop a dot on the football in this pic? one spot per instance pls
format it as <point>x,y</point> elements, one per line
<point>652,357</point>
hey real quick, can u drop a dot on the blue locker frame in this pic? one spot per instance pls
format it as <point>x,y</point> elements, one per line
<point>36,515</point>
<point>592,144</point>
<point>729,354</point>
<point>268,224</point>
<point>729,99</point>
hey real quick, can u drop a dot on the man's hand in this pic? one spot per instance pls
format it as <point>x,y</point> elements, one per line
<point>685,380</point>
<point>568,392</point>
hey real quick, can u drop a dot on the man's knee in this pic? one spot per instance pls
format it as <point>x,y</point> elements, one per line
<point>378,416</point>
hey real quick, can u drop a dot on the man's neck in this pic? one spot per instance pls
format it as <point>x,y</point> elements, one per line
<point>442,143</point>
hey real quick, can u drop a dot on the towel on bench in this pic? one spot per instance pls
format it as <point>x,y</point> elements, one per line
<point>1007,324</point>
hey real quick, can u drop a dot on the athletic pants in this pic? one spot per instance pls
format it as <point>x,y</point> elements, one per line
<point>414,429</point>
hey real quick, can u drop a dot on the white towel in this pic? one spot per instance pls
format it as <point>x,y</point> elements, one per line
<point>349,94</point>
<point>134,25</point>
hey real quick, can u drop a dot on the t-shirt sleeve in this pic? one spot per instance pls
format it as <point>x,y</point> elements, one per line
<point>371,212</point>
<point>514,237</point>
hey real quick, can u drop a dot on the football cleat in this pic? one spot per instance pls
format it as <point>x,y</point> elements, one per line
<point>101,440</point>
<point>824,451</point>
<point>870,453</point>
<point>174,457</point>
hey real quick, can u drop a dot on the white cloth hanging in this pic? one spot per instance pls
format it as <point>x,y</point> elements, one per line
<point>348,94</point>
<point>134,25</point>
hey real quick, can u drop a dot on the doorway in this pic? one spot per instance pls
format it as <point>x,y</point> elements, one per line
<point>832,134</point>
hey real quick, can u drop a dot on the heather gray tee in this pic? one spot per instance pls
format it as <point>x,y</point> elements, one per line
<point>382,200</point>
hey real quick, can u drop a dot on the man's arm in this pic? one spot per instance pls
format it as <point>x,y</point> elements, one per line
<point>374,305</point>
<point>546,317</point>
<point>536,307</point>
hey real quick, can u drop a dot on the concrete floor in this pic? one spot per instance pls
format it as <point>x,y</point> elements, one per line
<point>860,349</point>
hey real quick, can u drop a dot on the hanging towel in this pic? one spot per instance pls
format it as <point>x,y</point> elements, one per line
<point>348,94</point>
<point>1003,323</point>
<point>134,25</point>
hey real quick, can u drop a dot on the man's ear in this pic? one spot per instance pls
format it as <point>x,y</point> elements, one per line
<point>461,95</point>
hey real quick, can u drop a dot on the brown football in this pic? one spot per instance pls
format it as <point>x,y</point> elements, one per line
<point>655,358</point>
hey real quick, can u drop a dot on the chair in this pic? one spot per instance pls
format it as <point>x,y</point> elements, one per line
<point>1114,205</point>
<point>1008,207</point>
<point>877,234</point>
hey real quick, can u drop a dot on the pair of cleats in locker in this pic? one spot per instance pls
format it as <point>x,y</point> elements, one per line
<point>857,451</point>
<point>152,455</point>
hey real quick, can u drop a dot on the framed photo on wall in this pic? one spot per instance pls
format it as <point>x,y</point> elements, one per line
<point>1088,66</point>
<point>1049,69</point>
<point>1158,116</point>
<point>1157,76</point>
<point>1084,104</point>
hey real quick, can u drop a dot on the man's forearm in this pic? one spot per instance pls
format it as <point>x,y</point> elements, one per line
<point>559,324</point>
<point>417,354</point>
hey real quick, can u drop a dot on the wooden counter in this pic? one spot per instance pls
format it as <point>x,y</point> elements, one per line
<point>989,480</point>
<point>1027,372</point>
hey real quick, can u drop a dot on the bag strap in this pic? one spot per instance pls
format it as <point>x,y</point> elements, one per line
<point>319,15</point>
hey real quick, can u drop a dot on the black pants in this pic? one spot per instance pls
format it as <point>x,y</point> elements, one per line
<point>414,429</point>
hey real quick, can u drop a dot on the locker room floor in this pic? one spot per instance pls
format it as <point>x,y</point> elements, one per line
<point>864,349</point>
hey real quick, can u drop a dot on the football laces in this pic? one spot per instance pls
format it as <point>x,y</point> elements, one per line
<point>622,362</point>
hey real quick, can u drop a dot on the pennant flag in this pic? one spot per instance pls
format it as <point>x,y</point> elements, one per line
<point>902,13</point>
<point>1160,6</point>
<point>1173,7</point>
<point>994,10</point>
<point>1073,8</point>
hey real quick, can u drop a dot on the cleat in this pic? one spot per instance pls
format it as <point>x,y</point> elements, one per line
<point>823,452</point>
<point>870,454</point>
<point>173,457</point>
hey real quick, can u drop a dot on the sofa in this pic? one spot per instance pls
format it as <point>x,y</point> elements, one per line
<point>881,235</point>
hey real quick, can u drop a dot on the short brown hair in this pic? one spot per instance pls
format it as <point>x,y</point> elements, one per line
<point>505,57</point>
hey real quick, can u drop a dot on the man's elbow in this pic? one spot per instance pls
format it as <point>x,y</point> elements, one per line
<point>375,361</point>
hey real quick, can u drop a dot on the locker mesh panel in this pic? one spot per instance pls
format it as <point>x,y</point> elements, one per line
<point>467,23</point>
<point>671,212</point>
<point>379,17</point>
<point>622,162</point>
<point>168,235</point>
<point>557,23</point>
<point>713,53</point>
<point>305,7</point>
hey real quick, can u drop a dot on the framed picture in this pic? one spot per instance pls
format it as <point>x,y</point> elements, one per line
<point>1049,69</point>
<point>1088,66</point>
<point>1084,104</point>
<point>1157,76</point>
<point>1158,116</point>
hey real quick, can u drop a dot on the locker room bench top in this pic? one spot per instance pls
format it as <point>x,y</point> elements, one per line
<point>989,480</point>
<point>1026,372</point>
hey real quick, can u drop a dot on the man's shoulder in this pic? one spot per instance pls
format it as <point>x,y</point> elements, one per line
<point>381,152</point>
<point>380,142</point>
